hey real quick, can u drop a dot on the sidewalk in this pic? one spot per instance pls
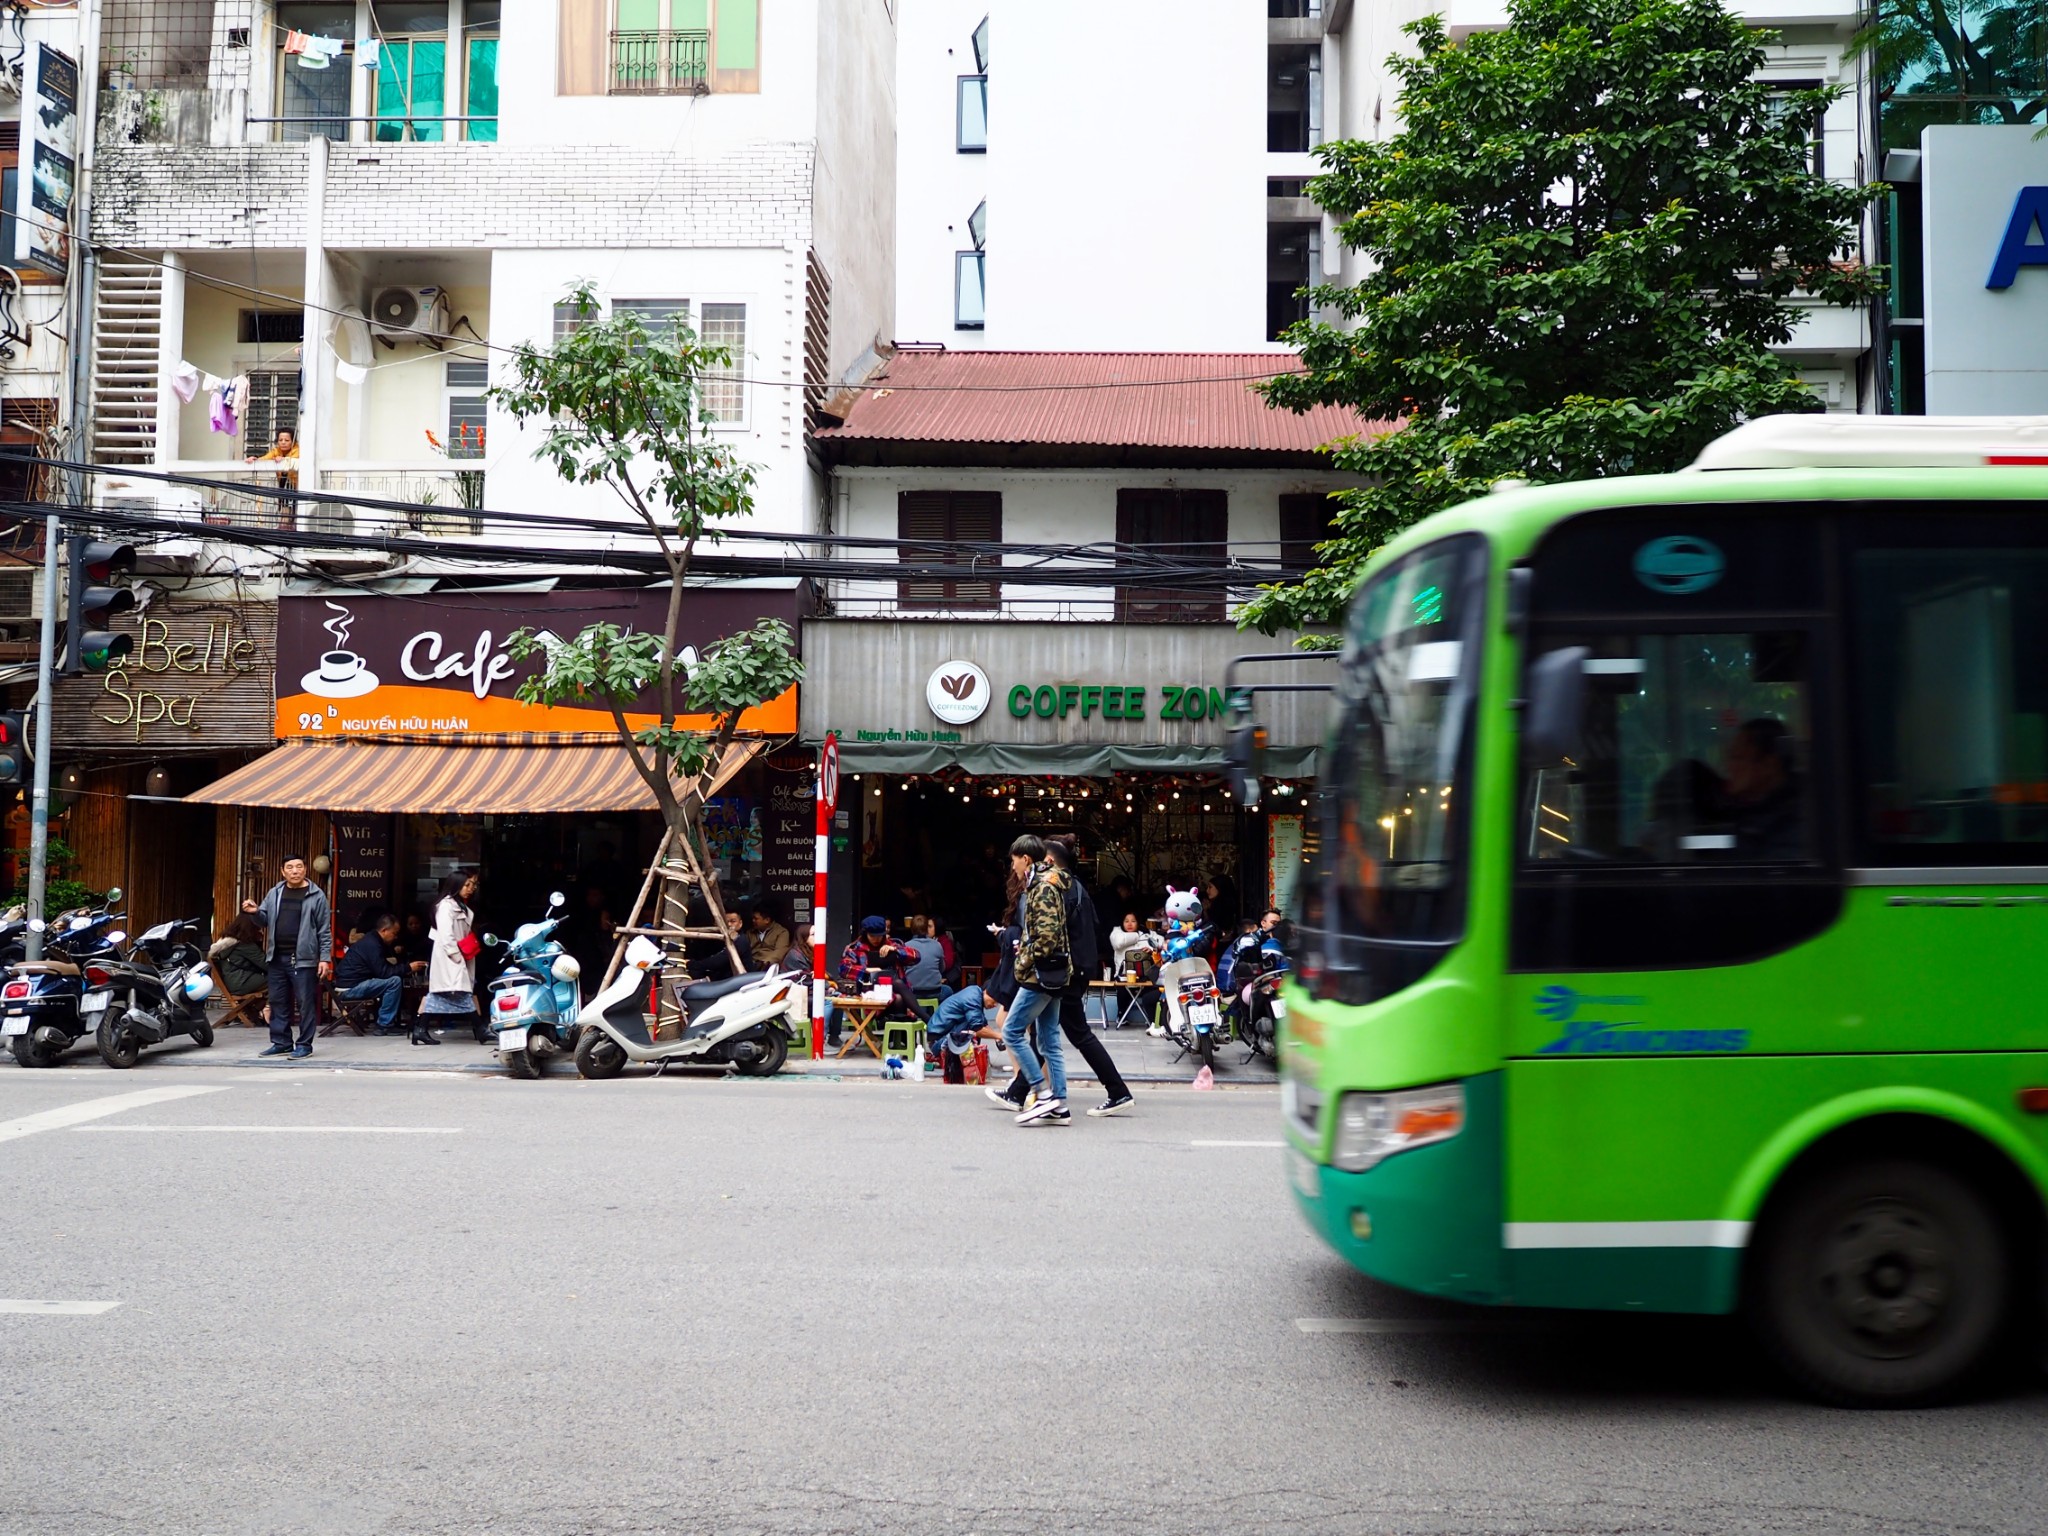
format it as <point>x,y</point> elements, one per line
<point>1139,1057</point>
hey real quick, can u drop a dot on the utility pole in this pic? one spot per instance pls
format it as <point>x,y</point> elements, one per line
<point>46,685</point>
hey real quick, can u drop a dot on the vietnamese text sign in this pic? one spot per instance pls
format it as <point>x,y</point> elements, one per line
<point>49,163</point>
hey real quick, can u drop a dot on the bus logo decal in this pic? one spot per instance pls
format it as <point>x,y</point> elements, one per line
<point>1593,1037</point>
<point>1679,564</point>
<point>1558,1003</point>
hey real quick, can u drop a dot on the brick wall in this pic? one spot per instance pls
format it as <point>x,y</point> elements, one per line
<point>489,196</point>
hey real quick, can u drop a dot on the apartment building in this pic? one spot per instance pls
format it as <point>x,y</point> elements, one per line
<point>360,206</point>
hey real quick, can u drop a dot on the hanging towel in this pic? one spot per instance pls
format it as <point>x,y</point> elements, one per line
<point>315,56</point>
<point>184,382</point>
<point>350,373</point>
<point>295,42</point>
<point>368,50</point>
<point>211,382</point>
<point>221,413</point>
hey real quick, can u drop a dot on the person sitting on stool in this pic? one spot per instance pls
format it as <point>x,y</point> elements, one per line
<point>368,970</point>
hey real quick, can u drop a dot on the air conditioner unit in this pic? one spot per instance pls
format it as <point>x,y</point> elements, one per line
<point>418,313</point>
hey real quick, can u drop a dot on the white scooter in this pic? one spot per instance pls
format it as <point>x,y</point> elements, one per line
<point>746,1023</point>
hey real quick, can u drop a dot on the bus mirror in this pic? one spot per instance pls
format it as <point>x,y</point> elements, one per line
<point>1556,703</point>
<point>1244,753</point>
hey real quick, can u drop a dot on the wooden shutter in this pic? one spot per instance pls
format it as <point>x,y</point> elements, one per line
<point>1306,520</point>
<point>584,40</point>
<point>936,526</point>
<point>1185,527</point>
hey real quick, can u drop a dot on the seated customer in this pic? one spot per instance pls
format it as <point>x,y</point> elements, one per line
<point>368,970</point>
<point>237,957</point>
<point>927,974</point>
<point>770,940</point>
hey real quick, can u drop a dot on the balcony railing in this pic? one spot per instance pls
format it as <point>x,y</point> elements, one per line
<point>447,498</point>
<point>666,63</point>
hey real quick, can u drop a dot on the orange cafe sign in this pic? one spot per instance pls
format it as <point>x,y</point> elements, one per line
<point>436,665</point>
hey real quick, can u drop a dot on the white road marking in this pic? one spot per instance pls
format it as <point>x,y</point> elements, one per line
<point>1402,1325</point>
<point>295,1130</point>
<point>1271,1145</point>
<point>58,1308</point>
<point>94,1109</point>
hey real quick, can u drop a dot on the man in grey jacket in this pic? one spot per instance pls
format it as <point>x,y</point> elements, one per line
<point>298,945</point>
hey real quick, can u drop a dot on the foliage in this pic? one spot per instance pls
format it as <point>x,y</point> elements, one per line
<point>62,889</point>
<point>1958,61</point>
<point>1582,244</point>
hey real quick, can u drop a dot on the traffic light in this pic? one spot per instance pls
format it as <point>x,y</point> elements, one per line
<point>96,596</point>
<point>13,748</point>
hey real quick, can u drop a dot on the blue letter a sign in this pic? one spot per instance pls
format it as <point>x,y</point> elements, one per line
<point>2029,211</point>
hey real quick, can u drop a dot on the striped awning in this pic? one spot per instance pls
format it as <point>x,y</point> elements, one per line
<point>500,774</point>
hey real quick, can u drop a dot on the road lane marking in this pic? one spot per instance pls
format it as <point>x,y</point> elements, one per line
<point>1410,1325</point>
<point>57,1308</point>
<point>94,1109</point>
<point>1270,1145</point>
<point>294,1130</point>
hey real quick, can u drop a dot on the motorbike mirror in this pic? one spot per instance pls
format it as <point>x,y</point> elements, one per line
<point>556,898</point>
<point>490,938</point>
<point>113,895</point>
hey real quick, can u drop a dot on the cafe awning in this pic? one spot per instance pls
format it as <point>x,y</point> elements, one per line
<point>451,777</point>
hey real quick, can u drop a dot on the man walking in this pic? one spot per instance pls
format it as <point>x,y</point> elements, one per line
<point>1044,967</point>
<point>368,970</point>
<point>298,936</point>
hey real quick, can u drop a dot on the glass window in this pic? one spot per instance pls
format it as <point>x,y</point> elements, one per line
<point>970,269</point>
<point>465,380</point>
<point>1694,750</point>
<point>725,389</point>
<point>480,71</point>
<point>313,93</point>
<point>1952,683</point>
<point>411,76</point>
<point>972,126</point>
<point>659,316</point>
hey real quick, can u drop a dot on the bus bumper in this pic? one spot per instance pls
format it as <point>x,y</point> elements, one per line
<point>1428,1220</point>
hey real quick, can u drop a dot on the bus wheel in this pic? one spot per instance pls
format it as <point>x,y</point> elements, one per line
<point>1883,1285</point>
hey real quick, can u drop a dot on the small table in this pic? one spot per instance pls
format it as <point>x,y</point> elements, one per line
<point>1127,998</point>
<point>862,1012</point>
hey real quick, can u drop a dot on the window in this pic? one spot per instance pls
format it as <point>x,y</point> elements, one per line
<point>1951,676</point>
<point>939,527</point>
<point>725,389</point>
<point>666,47</point>
<point>1815,117</point>
<point>659,316</point>
<point>480,70</point>
<point>465,381</point>
<point>971,116</point>
<point>313,92</point>
<point>1306,520</point>
<point>1159,531</point>
<point>970,276</point>
<point>286,327</point>
<point>273,406</point>
<point>412,70</point>
<point>567,322</point>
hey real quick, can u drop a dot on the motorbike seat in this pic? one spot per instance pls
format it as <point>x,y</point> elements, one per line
<point>698,993</point>
<point>47,968</point>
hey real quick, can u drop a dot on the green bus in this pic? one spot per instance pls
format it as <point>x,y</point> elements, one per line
<point>1677,935</point>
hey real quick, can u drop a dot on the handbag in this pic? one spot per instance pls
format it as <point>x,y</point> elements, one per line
<point>1055,972</point>
<point>470,946</point>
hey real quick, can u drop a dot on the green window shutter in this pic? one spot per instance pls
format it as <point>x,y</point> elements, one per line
<point>482,92</point>
<point>738,39</point>
<point>690,15</point>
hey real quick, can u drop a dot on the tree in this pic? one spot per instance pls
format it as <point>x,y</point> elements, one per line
<point>1958,61</point>
<point>1588,234</point>
<point>624,407</point>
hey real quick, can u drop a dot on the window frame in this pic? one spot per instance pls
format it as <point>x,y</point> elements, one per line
<point>342,67</point>
<point>691,313</point>
<point>961,260</point>
<point>413,127</point>
<point>1174,605</point>
<point>482,32</point>
<point>452,394</point>
<point>961,144</point>
<point>950,599</point>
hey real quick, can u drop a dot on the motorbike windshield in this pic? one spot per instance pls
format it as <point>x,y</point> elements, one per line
<point>1396,766</point>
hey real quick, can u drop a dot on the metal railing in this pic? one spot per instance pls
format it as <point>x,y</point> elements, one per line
<point>666,63</point>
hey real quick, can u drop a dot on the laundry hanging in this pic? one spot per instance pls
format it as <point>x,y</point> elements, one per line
<point>184,382</point>
<point>320,51</point>
<point>295,42</point>
<point>368,51</point>
<point>221,412</point>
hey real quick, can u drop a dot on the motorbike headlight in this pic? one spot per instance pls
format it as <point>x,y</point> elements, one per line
<point>1372,1127</point>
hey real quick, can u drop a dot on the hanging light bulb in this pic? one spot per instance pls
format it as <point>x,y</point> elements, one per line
<point>159,780</point>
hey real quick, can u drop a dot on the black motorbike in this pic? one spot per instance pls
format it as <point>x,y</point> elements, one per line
<point>1255,997</point>
<point>48,1005</point>
<point>160,991</point>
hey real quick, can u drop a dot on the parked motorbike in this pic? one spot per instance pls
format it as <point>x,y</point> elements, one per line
<point>1260,1007</point>
<point>1194,1007</point>
<point>160,990</point>
<point>746,1022</point>
<point>13,935</point>
<point>48,1005</point>
<point>535,999</point>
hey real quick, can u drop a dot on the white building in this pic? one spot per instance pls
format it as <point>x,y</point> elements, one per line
<point>1131,176</point>
<point>360,206</point>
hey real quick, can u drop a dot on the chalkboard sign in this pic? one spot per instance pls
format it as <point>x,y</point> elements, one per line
<point>789,834</point>
<point>362,866</point>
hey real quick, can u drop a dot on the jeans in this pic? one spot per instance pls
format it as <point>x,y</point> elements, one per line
<point>386,990</point>
<point>292,994</point>
<point>1036,1015</point>
<point>1074,1025</point>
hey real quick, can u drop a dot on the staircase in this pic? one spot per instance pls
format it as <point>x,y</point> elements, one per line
<point>128,314</point>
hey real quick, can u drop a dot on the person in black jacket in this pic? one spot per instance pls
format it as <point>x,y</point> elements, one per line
<point>368,970</point>
<point>1087,957</point>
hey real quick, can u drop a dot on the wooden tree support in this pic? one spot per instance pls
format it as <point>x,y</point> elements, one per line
<point>660,913</point>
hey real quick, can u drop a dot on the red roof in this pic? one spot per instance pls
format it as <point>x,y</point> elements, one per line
<point>1199,401</point>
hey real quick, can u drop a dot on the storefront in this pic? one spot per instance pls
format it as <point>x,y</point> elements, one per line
<point>401,729</point>
<point>956,736</point>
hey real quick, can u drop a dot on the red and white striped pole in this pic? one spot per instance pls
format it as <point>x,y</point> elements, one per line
<point>828,802</point>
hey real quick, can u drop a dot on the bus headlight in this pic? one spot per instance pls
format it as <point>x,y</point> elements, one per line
<point>1372,1127</point>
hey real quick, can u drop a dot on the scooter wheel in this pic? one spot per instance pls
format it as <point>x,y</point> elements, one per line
<point>202,1034</point>
<point>1205,1049</point>
<point>598,1056</point>
<point>18,1048</point>
<point>521,1064</point>
<point>119,1047</point>
<point>766,1058</point>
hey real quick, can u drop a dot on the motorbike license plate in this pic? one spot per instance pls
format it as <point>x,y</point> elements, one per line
<point>14,1024</point>
<point>1203,1014</point>
<point>1305,1175</point>
<point>96,1002</point>
<point>511,1040</point>
<point>1280,1009</point>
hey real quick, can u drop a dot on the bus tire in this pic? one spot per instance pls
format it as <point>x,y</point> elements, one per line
<point>1884,1284</point>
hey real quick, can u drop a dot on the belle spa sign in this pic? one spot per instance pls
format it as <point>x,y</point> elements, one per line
<point>198,679</point>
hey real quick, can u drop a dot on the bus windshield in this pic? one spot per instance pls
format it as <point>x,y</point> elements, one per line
<point>1397,762</point>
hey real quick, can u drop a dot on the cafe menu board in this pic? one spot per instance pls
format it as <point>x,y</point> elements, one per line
<point>790,833</point>
<point>362,867</point>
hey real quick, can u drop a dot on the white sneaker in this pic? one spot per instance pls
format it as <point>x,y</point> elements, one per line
<point>1157,1031</point>
<point>1046,1111</point>
<point>1002,1100</point>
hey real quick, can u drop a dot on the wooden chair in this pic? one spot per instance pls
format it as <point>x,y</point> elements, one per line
<point>246,1009</point>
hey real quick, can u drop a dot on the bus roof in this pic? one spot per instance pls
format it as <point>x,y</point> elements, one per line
<point>1879,442</point>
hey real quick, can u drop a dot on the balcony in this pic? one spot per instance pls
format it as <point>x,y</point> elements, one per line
<point>666,63</point>
<point>434,487</point>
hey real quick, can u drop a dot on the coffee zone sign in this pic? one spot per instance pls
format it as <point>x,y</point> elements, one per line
<point>395,665</point>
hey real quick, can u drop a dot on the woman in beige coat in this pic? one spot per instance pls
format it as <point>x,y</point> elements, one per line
<point>451,974</point>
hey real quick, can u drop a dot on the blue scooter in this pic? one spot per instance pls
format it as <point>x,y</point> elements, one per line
<point>535,999</point>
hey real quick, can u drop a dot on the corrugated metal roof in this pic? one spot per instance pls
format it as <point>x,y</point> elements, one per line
<point>1192,400</point>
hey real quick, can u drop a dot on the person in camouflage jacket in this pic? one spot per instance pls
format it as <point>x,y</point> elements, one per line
<point>1034,1015</point>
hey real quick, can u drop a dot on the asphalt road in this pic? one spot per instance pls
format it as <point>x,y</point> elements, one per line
<point>353,1302</point>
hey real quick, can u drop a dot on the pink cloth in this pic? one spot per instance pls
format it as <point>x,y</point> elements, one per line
<point>185,382</point>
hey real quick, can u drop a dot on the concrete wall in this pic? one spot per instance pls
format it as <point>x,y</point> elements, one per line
<point>854,214</point>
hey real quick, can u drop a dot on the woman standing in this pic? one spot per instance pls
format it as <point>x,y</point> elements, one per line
<point>451,966</point>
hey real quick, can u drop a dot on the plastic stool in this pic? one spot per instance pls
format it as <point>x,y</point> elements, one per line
<point>901,1037</point>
